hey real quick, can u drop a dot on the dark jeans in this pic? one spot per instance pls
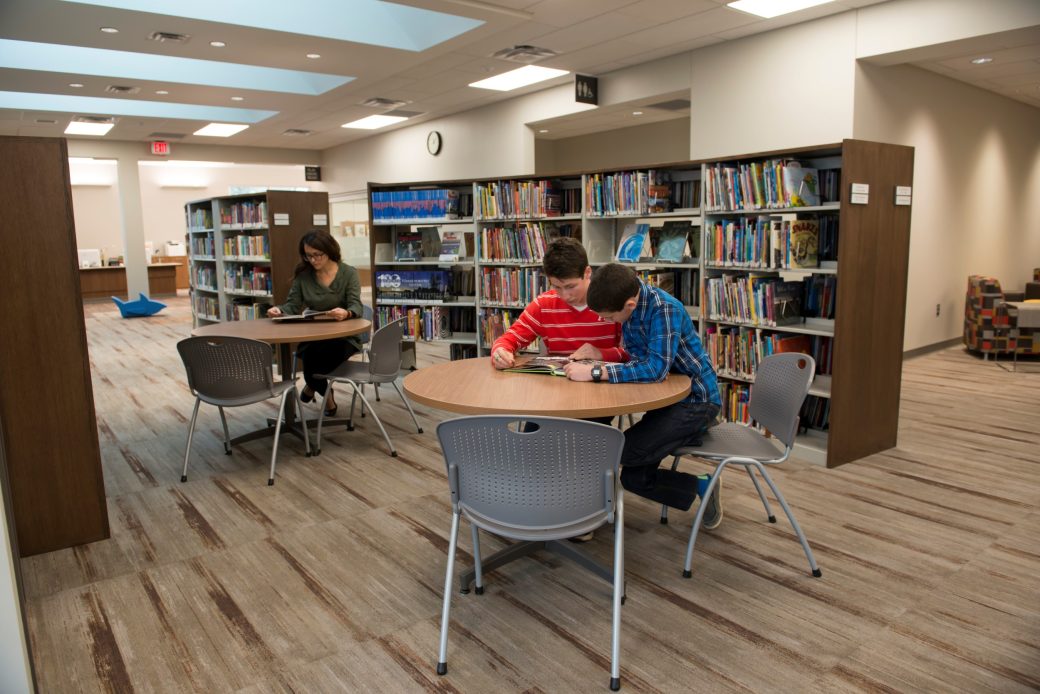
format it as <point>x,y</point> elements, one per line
<point>654,437</point>
<point>321,357</point>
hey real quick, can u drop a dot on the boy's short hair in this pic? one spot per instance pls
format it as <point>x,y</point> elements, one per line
<point>565,259</point>
<point>612,285</point>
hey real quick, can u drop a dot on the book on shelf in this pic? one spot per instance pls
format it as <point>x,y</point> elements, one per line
<point>805,241</point>
<point>548,365</point>
<point>451,245</point>
<point>801,185</point>
<point>793,343</point>
<point>430,246</point>
<point>307,315</point>
<point>673,242</point>
<point>634,244</point>
<point>659,198</point>
<point>408,246</point>
<point>787,303</point>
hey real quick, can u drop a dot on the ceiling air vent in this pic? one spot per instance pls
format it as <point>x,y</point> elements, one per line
<point>168,37</point>
<point>673,105</point>
<point>94,119</point>
<point>523,54</point>
<point>404,114</point>
<point>46,121</point>
<point>121,89</point>
<point>297,132</point>
<point>378,102</point>
<point>166,136</point>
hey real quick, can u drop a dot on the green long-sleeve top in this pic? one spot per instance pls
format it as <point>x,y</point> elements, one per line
<point>344,292</point>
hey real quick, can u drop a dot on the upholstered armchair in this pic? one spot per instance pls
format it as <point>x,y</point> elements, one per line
<point>990,325</point>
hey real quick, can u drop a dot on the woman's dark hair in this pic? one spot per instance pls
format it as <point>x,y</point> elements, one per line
<point>320,241</point>
<point>565,259</point>
<point>611,286</point>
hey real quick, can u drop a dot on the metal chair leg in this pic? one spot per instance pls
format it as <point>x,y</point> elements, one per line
<point>761,494</point>
<point>790,516</point>
<point>406,404</point>
<point>191,431</point>
<point>277,433</point>
<point>700,515</point>
<point>393,451</point>
<point>619,588</point>
<point>227,435</point>
<point>303,422</point>
<point>442,657</point>
<point>478,569</point>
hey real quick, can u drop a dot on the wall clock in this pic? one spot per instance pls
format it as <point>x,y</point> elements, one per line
<point>433,142</point>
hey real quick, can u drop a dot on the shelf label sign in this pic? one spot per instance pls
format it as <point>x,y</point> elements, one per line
<point>281,219</point>
<point>321,220</point>
<point>860,194</point>
<point>903,195</point>
<point>312,173</point>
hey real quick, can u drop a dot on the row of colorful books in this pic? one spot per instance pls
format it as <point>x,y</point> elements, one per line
<point>766,242</point>
<point>203,246</point>
<point>519,199</point>
<point>820,296</point>
<point>735,398</point>
<point>815,413</point>
<point>205,305</point>
<point>737,351</point>
<point>255,280</point>
<point>243,309</point>
<point>760,301</point>
<point>770,184</point>
<point>201,218</point>
<point>427,322</point>
<point>205,276</point>
<point>672,242</point>
<point>512,286</point>
<point>436,203</point>
<point>243,213</point>
<point>626,193</point>
<point>523,242</point>
<point>494,322</point>
<point>683,284</point>
<point>255,245</point>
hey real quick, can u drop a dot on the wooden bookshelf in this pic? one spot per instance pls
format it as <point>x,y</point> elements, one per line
<point>243,250</point>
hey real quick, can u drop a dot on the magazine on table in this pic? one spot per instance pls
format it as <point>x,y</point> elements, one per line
<point>307,315</point>
<point>549,365</point>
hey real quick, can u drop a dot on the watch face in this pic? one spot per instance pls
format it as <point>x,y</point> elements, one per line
<point>433,142</point>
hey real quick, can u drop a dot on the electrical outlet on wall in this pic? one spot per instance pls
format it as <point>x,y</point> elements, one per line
<point>937,307</point>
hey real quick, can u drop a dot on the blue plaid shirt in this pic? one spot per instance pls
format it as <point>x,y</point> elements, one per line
<point>660,338</point>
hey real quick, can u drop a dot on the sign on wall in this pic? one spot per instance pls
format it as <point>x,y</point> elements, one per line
<point>586,89</point>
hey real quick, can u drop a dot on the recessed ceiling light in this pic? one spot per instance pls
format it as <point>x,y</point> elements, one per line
<point>75,85</point>
<point>521,77</point>
<point>373,122</point>
<point>314,56</point>
<point>220,129</point>
<point>981,61</point>
<point>109,30</point>
<point>217,44</point>
<point>773,8</point>
<point>79,128</point>
<point>238,98</point>
<point>543,131</point>
<point>637,113</point>
<point>161,91</point>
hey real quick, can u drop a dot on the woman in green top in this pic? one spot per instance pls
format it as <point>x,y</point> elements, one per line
<point>323,283</point>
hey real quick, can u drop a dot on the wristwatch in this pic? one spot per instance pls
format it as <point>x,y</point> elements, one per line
<point>597,373</point>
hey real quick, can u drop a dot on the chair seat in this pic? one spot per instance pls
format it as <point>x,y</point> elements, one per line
<point>357,371</point>
<point>732,439</point>
<point>534,534</point>
<point>277,388</point>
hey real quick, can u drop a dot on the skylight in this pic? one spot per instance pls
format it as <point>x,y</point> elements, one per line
<point>31,101</point>
<point>79,128</point>
<point>521,77</point>
<point>773,8</point>
<point>373,22</point>
<point>220,129</point>
<point>373,122</point>
<point>102,62</point>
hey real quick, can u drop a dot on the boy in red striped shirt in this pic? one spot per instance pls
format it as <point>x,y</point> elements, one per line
<point>560,316</point>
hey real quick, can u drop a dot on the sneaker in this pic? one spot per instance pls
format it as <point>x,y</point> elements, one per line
<point>583,538</point>
<point>713,513</point>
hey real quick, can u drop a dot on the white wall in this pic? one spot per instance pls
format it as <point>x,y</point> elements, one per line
<point>791,87</point>
<point>14,658</point>
<point>976,203</point>
<point>653,143</point>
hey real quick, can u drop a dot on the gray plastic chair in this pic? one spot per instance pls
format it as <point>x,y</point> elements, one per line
<point>232,372</point>
<point>781,384</point>
<point>538,479</point>
<point>383,366</point>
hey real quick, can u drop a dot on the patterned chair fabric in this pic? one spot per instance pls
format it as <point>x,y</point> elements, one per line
<point>990,325</point>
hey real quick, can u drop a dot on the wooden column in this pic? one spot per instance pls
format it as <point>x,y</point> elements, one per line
<point>50,438</point>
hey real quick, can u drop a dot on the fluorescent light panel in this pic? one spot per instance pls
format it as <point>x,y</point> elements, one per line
<point>98,129</point>
<point>521,77</point>
<point>220,129</point>
<point>102,62</point>
<point>373,122</point>
<point>371,22</point>
<point>774,8</point>
<point>29,101</point>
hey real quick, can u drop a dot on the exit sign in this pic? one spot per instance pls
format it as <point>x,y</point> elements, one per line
<point>160,148</point>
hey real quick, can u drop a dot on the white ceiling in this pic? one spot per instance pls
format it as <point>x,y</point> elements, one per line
<point>590,37</point>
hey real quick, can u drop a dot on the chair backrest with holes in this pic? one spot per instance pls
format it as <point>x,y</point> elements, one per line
<point>781,383</point>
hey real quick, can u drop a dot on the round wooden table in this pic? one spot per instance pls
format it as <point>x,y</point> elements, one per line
<point>284,334</point>
<point>473,386</point>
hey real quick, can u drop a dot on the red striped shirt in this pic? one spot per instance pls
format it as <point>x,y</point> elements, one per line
<point>562,328</point>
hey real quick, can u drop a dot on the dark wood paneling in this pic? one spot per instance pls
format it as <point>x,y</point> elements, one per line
<point>301,206</point>
<point>46,400</point>
<point>874,247</point>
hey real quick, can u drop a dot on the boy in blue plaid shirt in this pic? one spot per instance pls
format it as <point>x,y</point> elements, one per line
<point>660,339</point>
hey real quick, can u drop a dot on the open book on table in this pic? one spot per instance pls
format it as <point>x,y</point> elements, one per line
<point>308,314</point>
<point>552,366</point>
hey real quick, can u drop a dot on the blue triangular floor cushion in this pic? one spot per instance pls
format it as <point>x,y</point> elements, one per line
<point>138,308</point>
